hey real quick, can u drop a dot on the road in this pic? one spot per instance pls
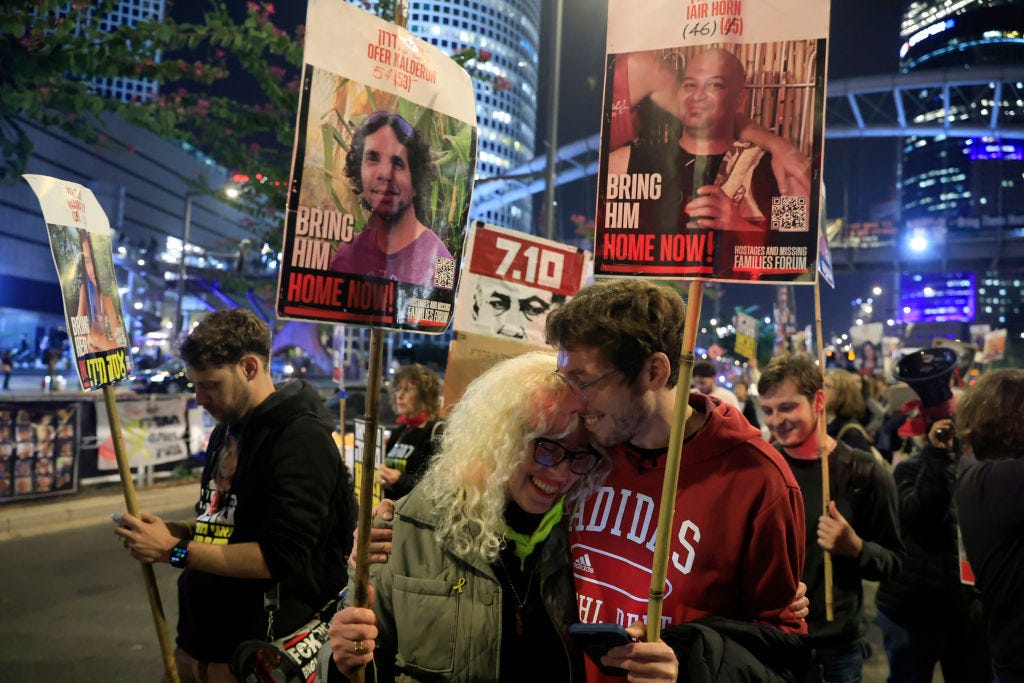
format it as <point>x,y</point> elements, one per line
<point>73,606</point>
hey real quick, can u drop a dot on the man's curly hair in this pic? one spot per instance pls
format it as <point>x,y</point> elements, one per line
<point>224,338</point>
<point>989,415</point>
<point>628,320</point>
<point>421,163</point>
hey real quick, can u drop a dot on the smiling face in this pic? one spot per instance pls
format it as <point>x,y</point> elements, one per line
<point>535,487</point>
<point>611,410</point>
<point>711,93</point>
<point>791,417</point>
<point>387,181</point>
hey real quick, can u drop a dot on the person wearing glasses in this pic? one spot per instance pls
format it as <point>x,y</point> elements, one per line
<point>416,397</point>
<point>737,547</point>
<point>389,166</point>
<point>478,586</point>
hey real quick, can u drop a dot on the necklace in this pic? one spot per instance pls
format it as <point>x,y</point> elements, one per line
<point>520,603</point>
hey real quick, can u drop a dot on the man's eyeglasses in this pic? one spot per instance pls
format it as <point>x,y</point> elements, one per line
<point>581,388</point>
<point>549,453</point>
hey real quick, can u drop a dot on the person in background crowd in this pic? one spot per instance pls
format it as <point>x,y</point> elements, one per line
<point>7,367</point>
<point>748,402</point>
<point>416,396</point>
<point>276,509</point>
<point>873,414</point>
<point>478,586</point>
<point>704,380</point>
<point>990,507</point>
<point>927,615</point>
<point>844,406</point>
<point>860,530</point>
<point>738,527</point>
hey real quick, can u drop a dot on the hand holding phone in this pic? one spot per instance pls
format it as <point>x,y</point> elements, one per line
<point>597,639</point>
<point>116,518</point>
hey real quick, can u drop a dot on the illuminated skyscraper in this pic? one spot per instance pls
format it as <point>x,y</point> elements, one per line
<point>973,182</point>
<point>129,13</point>
<point>507,34</point>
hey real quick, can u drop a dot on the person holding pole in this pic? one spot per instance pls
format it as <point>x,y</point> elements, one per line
<point>861,530</point>
<point>276,510</point>
<point>736,555</point>
<point>478,586</point>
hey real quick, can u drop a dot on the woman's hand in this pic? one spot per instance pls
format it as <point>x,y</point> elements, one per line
<point>644,661</point>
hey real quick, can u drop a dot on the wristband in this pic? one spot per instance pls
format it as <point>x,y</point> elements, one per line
<point>179,553</point>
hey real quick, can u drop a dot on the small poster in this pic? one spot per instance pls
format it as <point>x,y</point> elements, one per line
<point>382,176</point>
<point>79,234</point>
<point>39,445</point>
<point>154,430</point>
<point>354,457</point>
<point>746,335</point>
<point>712,140</point>
<point>513,281</point>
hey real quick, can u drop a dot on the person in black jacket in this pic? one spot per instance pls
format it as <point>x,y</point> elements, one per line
<point>276,509</point>
<point>416,397</point>
<point>927,615</point>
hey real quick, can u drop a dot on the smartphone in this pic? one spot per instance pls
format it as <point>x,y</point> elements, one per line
<point>116,518</point>
<point>597,639</point>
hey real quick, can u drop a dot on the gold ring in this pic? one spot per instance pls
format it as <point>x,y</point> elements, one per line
<point>357,647</point>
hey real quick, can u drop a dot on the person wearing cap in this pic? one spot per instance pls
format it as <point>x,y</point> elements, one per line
<point>704,381</point>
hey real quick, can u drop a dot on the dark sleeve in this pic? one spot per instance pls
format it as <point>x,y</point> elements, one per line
<point>855,438</point>
<point>765,185</point>
<point>719,649</point>
<point>925,487</point>
<point>304,476</point>
<point>416,464</point>
<point>877,523</point>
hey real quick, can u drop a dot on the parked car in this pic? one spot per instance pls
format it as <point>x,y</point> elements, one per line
<point>167,378</point>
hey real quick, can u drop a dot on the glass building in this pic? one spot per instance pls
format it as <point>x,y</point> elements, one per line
<point>506,35</point>
<point>964,183</point>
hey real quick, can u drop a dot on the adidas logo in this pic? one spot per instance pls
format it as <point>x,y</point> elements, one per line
<point>583,564</point>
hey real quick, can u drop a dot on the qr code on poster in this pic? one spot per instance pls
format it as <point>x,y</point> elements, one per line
<point>444,272</point>
<point>789,214</point>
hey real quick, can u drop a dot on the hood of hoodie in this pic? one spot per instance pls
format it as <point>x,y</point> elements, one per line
<point>290,399</point>
<point>727,430</point>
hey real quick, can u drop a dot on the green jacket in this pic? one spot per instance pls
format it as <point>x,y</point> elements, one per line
<point>435,632</point>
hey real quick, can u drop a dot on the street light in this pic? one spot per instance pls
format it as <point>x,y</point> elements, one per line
<point>179,314</point>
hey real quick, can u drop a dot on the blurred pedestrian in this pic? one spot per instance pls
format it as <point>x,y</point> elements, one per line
<point>416,398</point>
<point>990,507</point>
<point>7,367</point>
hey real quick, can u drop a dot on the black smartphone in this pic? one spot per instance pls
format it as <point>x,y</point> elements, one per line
<point>597,639</point>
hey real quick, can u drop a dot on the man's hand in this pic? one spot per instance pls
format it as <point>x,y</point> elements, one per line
<point>941,434</point>
<point>644,661</point>
<point>711,208</point>
<point>353,636</point>
<point>380,538</point>
<point>801,606</point>
<point>836,535</point>
<point>387,475</point>
<point>791,168</point>
<point>147,537</point>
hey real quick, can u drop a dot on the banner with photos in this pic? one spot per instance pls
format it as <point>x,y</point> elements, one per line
<point>704,103</point>
<point>79,234</point>
<point>382,176</point>
<point>39,445</point>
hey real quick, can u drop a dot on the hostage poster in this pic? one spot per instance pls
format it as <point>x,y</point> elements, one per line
<point>382,176</point>
<point>79,234</point>
<point>711,140</point>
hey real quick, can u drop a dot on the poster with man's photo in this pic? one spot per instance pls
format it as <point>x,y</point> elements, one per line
<point>79,234</point>
<point>711,140</point>
<point>382,176</point>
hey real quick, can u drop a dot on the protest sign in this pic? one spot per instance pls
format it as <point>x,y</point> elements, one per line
<point>154,430</point>
<point>701,97</point>
<point>79,234</point>
<point>382,176</point>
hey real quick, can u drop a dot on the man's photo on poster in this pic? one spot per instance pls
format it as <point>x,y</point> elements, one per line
<point>389,181</point>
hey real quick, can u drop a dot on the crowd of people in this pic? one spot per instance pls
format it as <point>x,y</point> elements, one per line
<point>533,503</point>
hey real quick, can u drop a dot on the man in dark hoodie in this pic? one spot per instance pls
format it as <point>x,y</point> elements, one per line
<point>736,549</point>
<point>276,508</point>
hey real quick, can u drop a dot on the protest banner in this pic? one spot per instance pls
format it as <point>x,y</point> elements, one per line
<point>154,431</point>
<point>39,446</point>
<point>382,176</point>
<point>79,235</point>
<point>700,98</point>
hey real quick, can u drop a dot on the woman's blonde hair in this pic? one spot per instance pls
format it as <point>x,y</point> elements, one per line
<point>490,431</point>
<point>843,396</point>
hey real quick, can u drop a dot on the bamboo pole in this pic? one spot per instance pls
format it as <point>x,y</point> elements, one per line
<point>132,506</point>
<point>826,494</point>
<point>669,485</point>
